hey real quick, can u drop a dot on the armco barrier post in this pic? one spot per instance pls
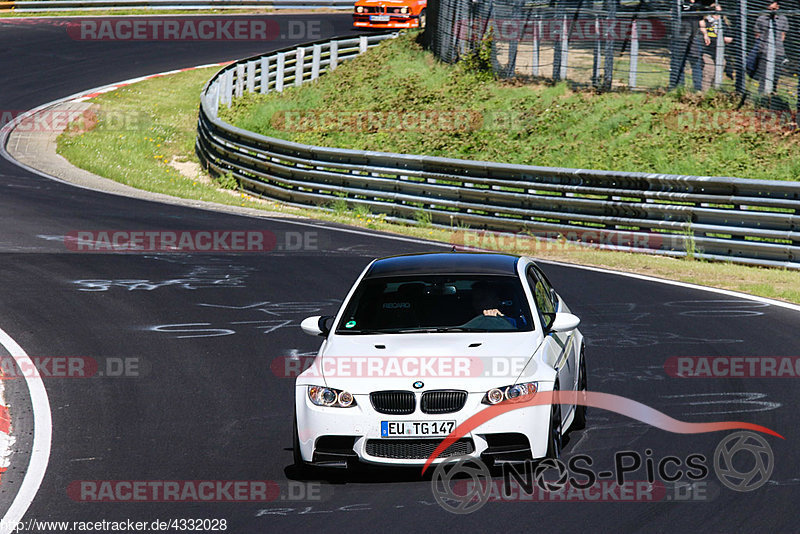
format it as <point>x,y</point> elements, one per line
<point>228,78</point>
<point>213,97</point>
<point>280,71</point>
<point>251,76</point>
<point>298,65</point>
<point>264,74</point>
<point>334,55</point>
<point>239,80</point>
<point>315,59</point>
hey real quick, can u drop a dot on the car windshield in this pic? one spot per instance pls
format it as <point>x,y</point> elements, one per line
<point>437,303</point>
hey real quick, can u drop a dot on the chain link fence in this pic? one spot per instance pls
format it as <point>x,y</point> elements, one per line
<point>751,48</point>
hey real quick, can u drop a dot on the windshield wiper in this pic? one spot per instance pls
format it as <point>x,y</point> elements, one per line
<point>430,330</point>
<point>423,330</point>
<point>365,332</point>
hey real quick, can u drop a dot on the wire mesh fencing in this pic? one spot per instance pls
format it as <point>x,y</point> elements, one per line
<point>750,48</point>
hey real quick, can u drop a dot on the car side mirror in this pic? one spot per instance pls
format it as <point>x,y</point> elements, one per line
<point>318,325</point>
<point>564,322</point>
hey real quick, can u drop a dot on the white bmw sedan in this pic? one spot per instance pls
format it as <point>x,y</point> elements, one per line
<point>423,342</point>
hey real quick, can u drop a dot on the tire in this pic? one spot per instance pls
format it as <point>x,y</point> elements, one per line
<point>554,434</point>
<point>423,19</point>
<point>580,410</point>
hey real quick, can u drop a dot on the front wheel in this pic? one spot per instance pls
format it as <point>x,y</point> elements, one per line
<point>554,433</point>
<point>423,19</point>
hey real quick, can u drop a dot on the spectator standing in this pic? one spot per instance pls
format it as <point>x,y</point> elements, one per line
<point>710,28</point>
<point>780,26</point>
<point>694,42</point>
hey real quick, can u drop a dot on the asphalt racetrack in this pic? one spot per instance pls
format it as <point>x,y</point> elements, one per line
<point>204,329</point>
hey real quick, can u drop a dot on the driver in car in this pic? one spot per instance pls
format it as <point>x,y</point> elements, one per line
<point>487,303</point>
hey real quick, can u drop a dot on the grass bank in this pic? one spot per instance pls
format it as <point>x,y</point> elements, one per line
<point>550,125</point>
<point>144,134</point>
<point>148,150</point>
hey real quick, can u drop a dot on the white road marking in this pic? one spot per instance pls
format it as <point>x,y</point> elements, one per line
<point>42,437</point>
<point>740,402</point>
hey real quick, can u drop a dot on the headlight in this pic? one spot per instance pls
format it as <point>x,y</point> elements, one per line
<point>345,399</point>
<point>513,393</point>
<point>404,10</point>
<point>494,396</point>
<point>334,398</point>
<point>359,9</point>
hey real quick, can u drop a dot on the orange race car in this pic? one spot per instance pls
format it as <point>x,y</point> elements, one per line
<point>381,14</point>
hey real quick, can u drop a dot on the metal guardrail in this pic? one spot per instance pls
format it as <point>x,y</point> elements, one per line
<point>33,6</point>
<point>755,222</point>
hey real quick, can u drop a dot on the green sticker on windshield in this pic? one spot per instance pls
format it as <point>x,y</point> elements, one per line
<point>350,324</point>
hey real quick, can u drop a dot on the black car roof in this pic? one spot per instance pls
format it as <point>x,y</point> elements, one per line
<point>445,263</point>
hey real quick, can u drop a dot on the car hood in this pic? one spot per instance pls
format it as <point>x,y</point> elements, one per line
<point>471,362</point>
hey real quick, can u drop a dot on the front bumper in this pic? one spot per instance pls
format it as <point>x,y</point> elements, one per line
<point>334,436</point>
<point>362,20</point>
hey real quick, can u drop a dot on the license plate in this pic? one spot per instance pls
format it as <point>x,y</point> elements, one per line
<point>379,18</point>
<point>416,429</point>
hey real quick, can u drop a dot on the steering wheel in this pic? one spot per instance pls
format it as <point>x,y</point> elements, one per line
<point>487,322</point>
